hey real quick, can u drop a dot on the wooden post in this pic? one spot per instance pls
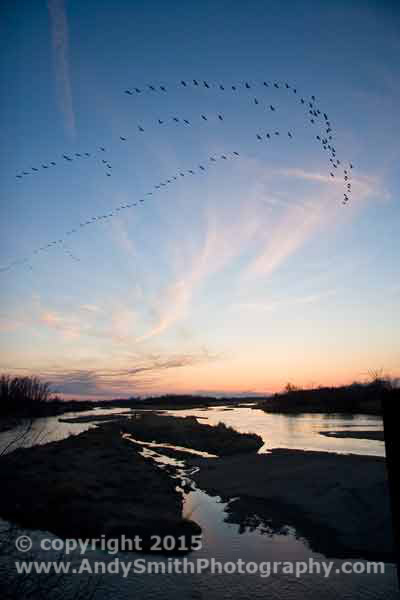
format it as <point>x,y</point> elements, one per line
<point>391,406</point>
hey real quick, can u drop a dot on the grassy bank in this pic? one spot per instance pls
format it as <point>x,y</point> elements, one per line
<point>24,398</point>
<point>92,484</point>
<point>188,432</point>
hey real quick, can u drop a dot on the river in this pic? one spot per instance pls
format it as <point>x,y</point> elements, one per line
<point>256,540</point>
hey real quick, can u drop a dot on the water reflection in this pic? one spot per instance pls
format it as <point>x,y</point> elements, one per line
<point>299,431</point>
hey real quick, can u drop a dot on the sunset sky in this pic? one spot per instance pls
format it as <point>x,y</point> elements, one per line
<point>236,279</point>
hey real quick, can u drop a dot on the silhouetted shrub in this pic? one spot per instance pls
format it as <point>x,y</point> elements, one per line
<point>23,396</point>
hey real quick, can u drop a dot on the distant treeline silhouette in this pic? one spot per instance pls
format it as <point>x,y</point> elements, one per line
<point>172,401</point>
<point>355,398</point>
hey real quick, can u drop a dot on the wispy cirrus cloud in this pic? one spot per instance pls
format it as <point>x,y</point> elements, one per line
<point>225,236</point>
<point>290,232</point>
<point>92,308</point>
<point>303,218</point>
<point>60,39</point>
<point>284,303</point>
<point>118,325</point>
<point>259,222</point>
<point>9,324</point>
<point>138,375</point>
<point>307,175</point>
<point>364,186</point>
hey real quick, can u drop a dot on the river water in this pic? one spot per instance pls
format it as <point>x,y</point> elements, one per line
<point>256,541</point>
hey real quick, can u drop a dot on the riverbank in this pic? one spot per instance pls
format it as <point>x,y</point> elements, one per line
<point>41,410</point>
<point>91,484</point>
<point>339,503</point>
<point>97,482</point>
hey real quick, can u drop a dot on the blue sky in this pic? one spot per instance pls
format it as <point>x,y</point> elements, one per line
<point>237,278</point>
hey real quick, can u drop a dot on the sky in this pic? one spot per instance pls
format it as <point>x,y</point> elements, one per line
<point>235,279</point>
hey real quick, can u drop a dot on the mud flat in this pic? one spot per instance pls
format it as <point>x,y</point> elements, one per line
<point>339,503</point>
<point>92,484</point>
<point>355,433</point>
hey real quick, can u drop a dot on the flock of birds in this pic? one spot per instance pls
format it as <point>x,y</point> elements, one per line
<point>325,137</point>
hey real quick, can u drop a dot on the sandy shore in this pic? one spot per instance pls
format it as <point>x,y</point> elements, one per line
<point>340,503</point>
<point>356,433</point>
